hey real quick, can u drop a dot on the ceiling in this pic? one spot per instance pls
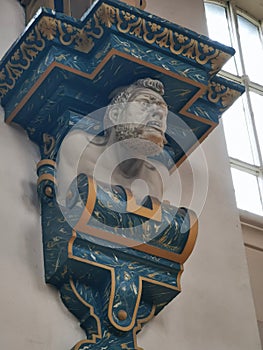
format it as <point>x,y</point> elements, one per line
<point>253,7</point>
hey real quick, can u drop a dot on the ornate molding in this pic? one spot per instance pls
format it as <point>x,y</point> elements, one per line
<point>218,92</point>
<point>83,36</point>
<point>156,33</point>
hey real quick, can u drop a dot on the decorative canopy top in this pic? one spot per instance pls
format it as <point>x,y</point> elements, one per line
<point>111,46</point>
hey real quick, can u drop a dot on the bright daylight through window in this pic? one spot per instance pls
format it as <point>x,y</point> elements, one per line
<point>243,122</point>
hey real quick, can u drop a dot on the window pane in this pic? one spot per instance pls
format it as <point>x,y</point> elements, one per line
<point>237,137</point>
<point>251,49</point>
<point>246,190</point>
<point>257,105</point>
<point>218,30</point>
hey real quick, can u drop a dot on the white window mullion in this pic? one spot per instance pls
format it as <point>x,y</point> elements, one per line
<point>236,38</point>
<point>246,81</point>
<point>252,125</point>
<point>260,186</point>
<point>249,168</point>
<point>247,171</point>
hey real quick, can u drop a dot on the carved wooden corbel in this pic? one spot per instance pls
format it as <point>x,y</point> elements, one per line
<point>62,69</point>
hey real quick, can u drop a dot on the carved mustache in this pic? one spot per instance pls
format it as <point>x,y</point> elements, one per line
<point>141,131</point>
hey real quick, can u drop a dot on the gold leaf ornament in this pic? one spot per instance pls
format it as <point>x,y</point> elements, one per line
<point>69,28</point>
<point>16,56</point>
<point>127,16</point>
<point>218,62</point>
<point>181,38</point>
<point>154,27</point>
<point>106,15</point>
<point>229,97</point>
<point>2,75</point>
<point>206,48</point>
<point>84,43</point>
<point>48,27</point>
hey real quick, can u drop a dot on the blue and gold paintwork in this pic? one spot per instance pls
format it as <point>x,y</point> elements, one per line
<point>60,63</point>
<point>116,264</point>
<point>113,272</point>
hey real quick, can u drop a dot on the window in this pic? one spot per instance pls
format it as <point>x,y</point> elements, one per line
<point>243,122</point>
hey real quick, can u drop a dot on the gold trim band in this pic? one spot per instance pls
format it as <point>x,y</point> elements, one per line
<point>82,226</point>
<point>144,247</point>
<point>113,285</point>
<point>46,162</point>
<point>45,177</point>
<point>132,207</point>
<point>89,207</point>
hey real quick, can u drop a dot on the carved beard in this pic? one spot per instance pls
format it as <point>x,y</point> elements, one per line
<point>140,139</point>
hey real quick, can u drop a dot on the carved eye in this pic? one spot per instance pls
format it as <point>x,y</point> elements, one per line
<point>144,104</point>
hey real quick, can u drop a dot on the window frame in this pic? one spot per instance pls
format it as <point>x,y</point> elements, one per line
<point>232,13</point>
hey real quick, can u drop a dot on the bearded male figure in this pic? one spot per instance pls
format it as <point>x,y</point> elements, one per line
<point>134,129</point>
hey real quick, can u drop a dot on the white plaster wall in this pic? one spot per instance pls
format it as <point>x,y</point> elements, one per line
<point>214,311</point>
<point>187,13</point>
<point>31,314</point>
<point>253,237</point>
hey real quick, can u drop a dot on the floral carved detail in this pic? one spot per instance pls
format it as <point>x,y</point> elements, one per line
<point>219,93</point>
<point>154,33</point>
<point>218,62</point>
<point>21,60</point>
<point>106,15</point>
<point>46,31</point>
<point>84,43</point>
<point>49,29</point>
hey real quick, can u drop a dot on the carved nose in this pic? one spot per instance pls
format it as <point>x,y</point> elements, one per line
<point>157,113</point>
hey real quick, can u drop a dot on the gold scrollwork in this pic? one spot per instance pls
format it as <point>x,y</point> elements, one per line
<point>49,28</point>
<point>84,43</point>
<point>66,35</point>
<point>29,49</point>
<point>219,93</point>
<point>106,15</point>
<point>229,97</point>
<point>218,61</point>
<point>49,143</point>
<point>153,33</point>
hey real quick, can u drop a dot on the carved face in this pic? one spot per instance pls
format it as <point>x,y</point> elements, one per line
<point>143,118</point>
<point>146,107</point>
